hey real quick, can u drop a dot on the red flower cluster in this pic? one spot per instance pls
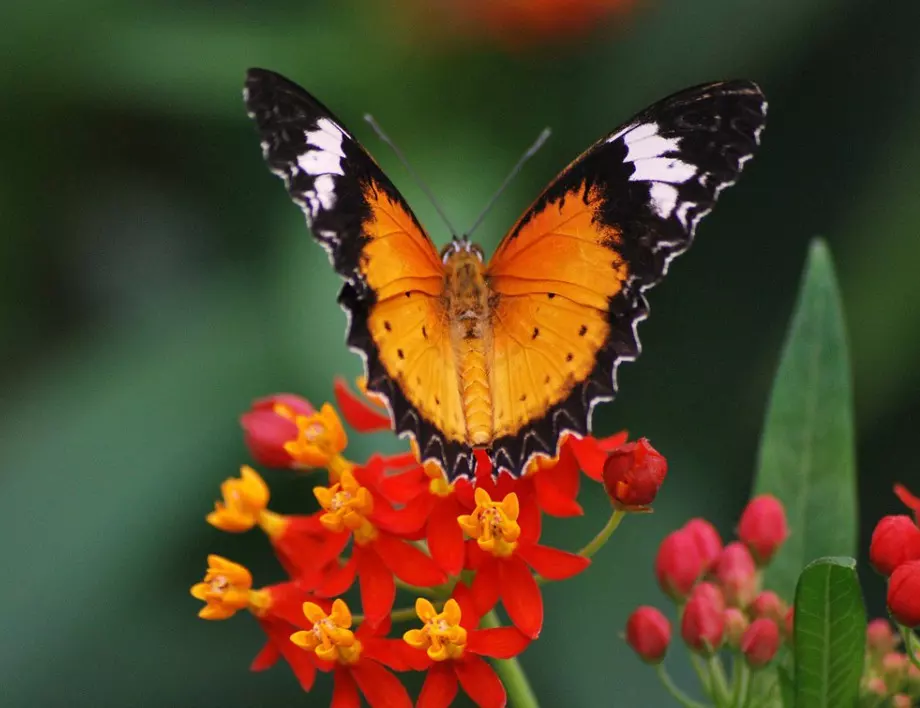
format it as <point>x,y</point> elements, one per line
<point>895,553</point>
<point>717,589</point>
<point>392,523</point>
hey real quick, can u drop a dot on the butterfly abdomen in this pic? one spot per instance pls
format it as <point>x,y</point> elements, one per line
<point>467,304</point>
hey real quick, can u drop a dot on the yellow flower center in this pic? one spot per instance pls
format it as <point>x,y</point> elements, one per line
<point>331,638</point>
<point>438,485</point>
<point>347,505</point>
<point>493,524</point>
<point>442,636</point>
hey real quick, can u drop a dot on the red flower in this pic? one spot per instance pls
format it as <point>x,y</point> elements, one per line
<point>633,474</point>
<point>648,632</point>
<point>227,589</point>
<point>358,660</point>
<point>909,500</point>
<point>708,541</point>
<point>451,649</point>
<point>768,604</point>
<point>904,594</point>
<point>736,624</point>
<point>368,416</point>
<point>895,540</point>
<point>506,535</point>
<point>270,424</point>
<point>703,624</point>
<point>350,509</point>
<point>678,564</point>
<point>763,528</point>
<point>880,638</point>
<point>760,642</point>
<point>737,574</point>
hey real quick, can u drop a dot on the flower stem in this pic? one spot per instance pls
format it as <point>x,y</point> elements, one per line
<point>909,639</point>
<point>605,533</point>
<point>520,694</point>
<point>720,690</point>
<point>741,682</point>
<point>675,692</point>
<point>426,592</point>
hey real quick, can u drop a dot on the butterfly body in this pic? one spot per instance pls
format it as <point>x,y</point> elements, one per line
<point>512,353</point>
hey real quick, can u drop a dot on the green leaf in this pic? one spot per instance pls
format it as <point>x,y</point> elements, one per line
<point>830,635</point>
<point>786,686</point>
<point>807,457</point>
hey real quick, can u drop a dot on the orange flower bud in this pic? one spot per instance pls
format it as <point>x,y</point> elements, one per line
<point>736,624</point>
<point>633,475</point>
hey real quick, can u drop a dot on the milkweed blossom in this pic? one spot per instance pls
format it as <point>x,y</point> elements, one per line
<point>393,526</point>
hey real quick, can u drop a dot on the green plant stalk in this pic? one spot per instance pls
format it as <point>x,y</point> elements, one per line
<point>742,682</point>
<point>520,693</point>
<point>604,535</point>
<point>720,692</point>
<point>675,692</point>
<point>909,639</point>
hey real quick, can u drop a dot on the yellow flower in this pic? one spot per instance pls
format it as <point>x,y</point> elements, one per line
<point>320,440</point>
<point>347,505</point>
<point>331,638</point>
<point>442,636</point>
<point>493,524</point>
<point>244,500</point>
<point>227,588</point>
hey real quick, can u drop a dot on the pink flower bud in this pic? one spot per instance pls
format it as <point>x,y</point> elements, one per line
<point>708,541</point>
<point>880,638</point>
<point>648,632</point>
<point>760,642</point>
<point>736,624</point>
<point>703,624</point>
<point>678,564</point>
<point>768,604</point>
<point>270,424</point>
<point>763,527</point>
<point>737,574</point>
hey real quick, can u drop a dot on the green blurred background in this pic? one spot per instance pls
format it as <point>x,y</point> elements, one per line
<point>156,279</point>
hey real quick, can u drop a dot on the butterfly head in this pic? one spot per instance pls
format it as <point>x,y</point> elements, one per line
<point>461,246</point>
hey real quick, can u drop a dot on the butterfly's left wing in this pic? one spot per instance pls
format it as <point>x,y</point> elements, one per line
<point>569,278</point>
<point>393,274</point>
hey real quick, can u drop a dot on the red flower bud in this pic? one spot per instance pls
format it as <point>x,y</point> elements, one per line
<point>678,564</point>
<point>633,475</point>
<point>901,700</point>
<point>789,624</point>
<point>768,604</point>
<point>904,594</point>
<point>711,593</point>
<point>703,624</point>
<point>270,424</point>
<point>708,541</point>
<point>896,539</point>
<point>880,638</point>
<point>760,642</point>
<point>736,624</point>
<point>737,574</point>
<point>648,632</point>
<point>763,527</point>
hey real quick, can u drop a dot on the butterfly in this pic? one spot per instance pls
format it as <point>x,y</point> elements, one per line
<point>511,354</point>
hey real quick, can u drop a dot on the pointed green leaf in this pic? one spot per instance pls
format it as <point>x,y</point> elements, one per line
<point>830,635</point>
<point>807,457</point>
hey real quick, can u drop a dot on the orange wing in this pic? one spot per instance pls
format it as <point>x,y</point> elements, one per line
<point>393,274</point>
<point>554,277</point>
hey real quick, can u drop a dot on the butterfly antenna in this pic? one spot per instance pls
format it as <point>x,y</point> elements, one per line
<point>402,158</point>
<point>531,151</point>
